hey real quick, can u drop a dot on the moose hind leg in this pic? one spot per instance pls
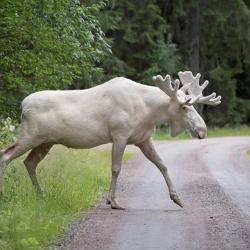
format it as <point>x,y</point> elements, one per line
<point>31,163</point>
<point>10,153</point>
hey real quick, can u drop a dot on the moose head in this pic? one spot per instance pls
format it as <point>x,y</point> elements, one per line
<point>181,111</point>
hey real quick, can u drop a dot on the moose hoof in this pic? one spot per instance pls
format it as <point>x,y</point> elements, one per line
<point>113,204</point>
<point>176,199</point>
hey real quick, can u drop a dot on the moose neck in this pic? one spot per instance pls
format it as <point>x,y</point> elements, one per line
<point>159,104</point>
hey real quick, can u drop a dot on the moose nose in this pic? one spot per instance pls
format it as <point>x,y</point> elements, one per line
<point>201,134</point>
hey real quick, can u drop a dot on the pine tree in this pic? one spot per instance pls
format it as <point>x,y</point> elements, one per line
<point>213,38</point>
<point>141,42</point>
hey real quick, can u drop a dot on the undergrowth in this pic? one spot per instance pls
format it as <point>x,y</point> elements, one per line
<point>72,180</point>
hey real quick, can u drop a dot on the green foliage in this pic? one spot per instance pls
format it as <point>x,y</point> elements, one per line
<point>142,44</point>
<point>72,180</point>
<point>46,45</point>
<point>227,47</point>
<point>225,113</point>
<point>213,38</point>
<point>8,131</point>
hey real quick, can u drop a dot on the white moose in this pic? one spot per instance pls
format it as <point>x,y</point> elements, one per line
<point>120,111</point>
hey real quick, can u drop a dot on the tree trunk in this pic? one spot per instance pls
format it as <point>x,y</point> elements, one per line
<point>186,33</point>
<point>194,39</point>
<point>194,44</point>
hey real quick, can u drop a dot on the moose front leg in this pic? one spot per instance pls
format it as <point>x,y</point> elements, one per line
<point>148,150</point>
<point>117,153</point>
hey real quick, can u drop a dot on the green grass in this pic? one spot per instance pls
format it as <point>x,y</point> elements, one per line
<point>248,151</point>
<point>163,134</point>
<point>241,131</point>
<point>72,181</point>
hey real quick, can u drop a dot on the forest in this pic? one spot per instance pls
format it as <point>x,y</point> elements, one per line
<point>60,44</point>
<point>77,44</point>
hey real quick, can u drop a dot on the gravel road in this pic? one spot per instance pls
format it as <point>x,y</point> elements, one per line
<point>212,177</point>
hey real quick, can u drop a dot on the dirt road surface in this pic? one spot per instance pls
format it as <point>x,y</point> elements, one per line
<point>212,178</point>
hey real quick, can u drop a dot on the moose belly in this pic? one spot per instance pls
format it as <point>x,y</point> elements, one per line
<point>82,142</point>
<point>74,133</point>
<point>82,138</point>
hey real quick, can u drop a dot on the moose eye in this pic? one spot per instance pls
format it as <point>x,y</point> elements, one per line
<point>184,108</point>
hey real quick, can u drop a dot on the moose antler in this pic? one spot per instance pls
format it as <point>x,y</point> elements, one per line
<point>166,85</point>
<point>170,88</point>
<point>194,89</point>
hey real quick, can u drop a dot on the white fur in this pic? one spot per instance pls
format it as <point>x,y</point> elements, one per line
<point>120,111</point>
<point>119,108</point>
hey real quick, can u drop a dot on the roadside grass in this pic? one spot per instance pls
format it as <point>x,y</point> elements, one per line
<point>72,181</point>
<point>163,134</point>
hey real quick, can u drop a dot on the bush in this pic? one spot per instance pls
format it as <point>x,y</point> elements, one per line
<point>46,45</point>
<point>8,131</point>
